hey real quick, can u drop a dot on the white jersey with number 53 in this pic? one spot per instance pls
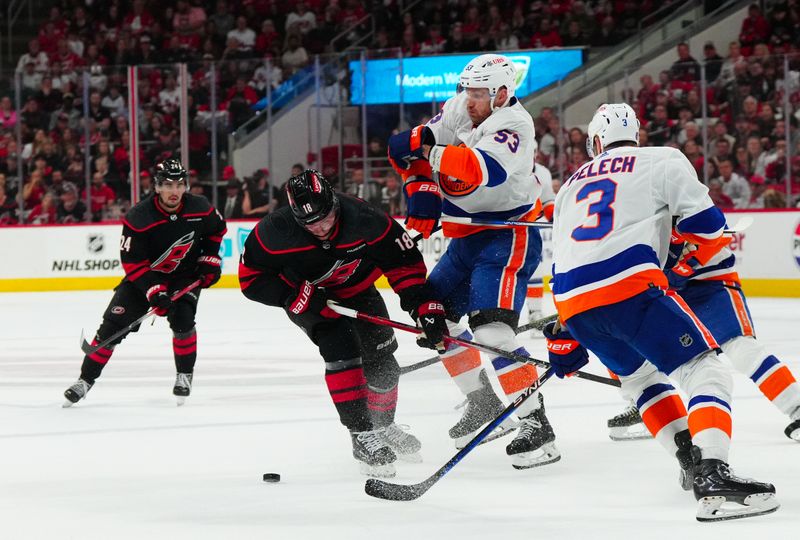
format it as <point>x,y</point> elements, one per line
<point>612,225</point>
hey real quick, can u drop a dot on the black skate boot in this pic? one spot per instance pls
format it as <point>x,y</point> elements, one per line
<point>76,392</point>
<point>183,387</point>
<point>534,444</point>
<point>406,446</point>
<point>481,407</point>
<point>627,426</point>
<point>683,439</point>
<point>793,430</point>
<point>715,485</point>
<point>374,456</point>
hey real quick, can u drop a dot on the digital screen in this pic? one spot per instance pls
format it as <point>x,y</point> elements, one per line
<point>430,78</point>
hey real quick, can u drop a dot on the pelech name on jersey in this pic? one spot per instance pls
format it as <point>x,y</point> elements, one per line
<point>597,168</point>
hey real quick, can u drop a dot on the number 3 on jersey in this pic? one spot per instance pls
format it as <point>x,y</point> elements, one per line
<point>601,209</point>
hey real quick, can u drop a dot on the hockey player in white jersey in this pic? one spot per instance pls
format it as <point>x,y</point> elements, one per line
<point>473,160</point>
<point>535,292</point>
<point>611,234</point>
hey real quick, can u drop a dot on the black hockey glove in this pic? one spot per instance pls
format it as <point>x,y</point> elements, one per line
<point>159,299</point>
<point>434,327</point>
<point>310,304</point>
<point>209,270</point>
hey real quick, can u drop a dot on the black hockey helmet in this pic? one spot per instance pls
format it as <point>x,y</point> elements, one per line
<point>171,170</point>
<point>311,197</point>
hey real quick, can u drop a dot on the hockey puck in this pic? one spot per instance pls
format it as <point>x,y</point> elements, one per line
<point>271,477</point>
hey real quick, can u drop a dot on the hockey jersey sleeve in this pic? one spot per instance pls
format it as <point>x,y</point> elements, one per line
<point>699,221</point>
<point>215,229</point>
<point>485,164</point>
<point>398,257</point>
<point>260,277</point>
<point>445,124</point>
<point>135,261</point>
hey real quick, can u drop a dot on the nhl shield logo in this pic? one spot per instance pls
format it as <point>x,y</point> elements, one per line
<point>95,243</point>
<point>686,340</point>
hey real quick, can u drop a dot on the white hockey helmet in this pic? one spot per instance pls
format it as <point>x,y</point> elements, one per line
<point>491,71</point>
<point>614,122</point>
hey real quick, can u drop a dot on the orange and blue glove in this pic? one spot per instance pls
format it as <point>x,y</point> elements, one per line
<point>565,353</point>
<point>406,146</point>
<point>423,205</point>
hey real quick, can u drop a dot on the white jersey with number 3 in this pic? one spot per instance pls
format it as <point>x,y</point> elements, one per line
<point>612,224</point>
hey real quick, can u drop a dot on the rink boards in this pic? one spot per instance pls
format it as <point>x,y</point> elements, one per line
<point>84,257</point>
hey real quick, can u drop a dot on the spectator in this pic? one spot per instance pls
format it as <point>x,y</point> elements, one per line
<point>8,116</point>
<point>190,18</point>
<point>267,38</point>
<point>719,198</point>
<point>546,36</point>
<point>660,129</point>
<point>66,112</point>
<point>146,188</point>
<point>294,55</point>
<point>232,206</point>
<point>757,189</point>
<point>33,190</point>
<point>169,99</point>
<point>733,185</point>
<point>44,213</point>
<point>35,56</point>
<point>605,34</point>
<point>455,43</point>
<point>8,206</point>
<point>755,29</point>
<point>756,157</point>
<point>391,195</point>
<point>138,20</point>
<point>244,35</point>
<point>435,44</point>
<point>774,199</point>
<point>31,79</point>
<point>101,196</point>
<point>114,103</point>
<point>257,201</point>
<point>574,37</point>
<point>368,190</point>
<point>33,117</point>
<point>70,209</point>
<point>686,68</point>
<point>301,20</point>
<point>223,21</point>
<point>694,154</point>
<point>713,62</point>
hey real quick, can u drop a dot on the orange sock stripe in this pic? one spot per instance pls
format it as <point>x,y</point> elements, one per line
<point>462,362</point>
<point>518,379</point>
<point>709,418</point>
<point>536,291</point>
<point>777,383</point>
<point>663,412</point>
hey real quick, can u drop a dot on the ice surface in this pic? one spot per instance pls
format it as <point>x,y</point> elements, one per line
<point>127,463</point>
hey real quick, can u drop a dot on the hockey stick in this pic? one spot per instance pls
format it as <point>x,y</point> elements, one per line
<point>496,223</point>
<point>741,225</point>
<point>538,324</point>
<point>400,492</point>
<point>88,348</point>
<point>352,313</point>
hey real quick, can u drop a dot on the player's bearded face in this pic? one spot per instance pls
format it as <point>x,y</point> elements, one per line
<point>170,194</point>
<point>478,104</point>
<point>323,228</point>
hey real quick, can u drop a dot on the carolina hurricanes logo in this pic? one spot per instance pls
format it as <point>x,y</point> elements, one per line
<point>173,256</point>
<point>454,187</point>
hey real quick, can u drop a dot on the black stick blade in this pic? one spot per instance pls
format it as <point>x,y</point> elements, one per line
<point>394,492</point>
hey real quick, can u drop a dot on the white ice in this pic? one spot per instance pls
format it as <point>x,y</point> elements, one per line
<point>127,463</point>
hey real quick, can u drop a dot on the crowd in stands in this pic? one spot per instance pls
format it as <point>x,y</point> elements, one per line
<point>233,38</point>
<point>745,158</point>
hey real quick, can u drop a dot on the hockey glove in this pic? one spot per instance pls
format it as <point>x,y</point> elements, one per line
<point>423,205</point>
<point>431,318</point>
<point>310,304</point>
<point>406,146</point>
<point>209,270</point>
<point>159,299</point>
<point>566,355</point>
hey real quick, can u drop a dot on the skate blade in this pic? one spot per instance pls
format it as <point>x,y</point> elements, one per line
<point>180,400</point>
<point>793,434</point>
<point>414,457</point>
<point>636,432</point>
<point>67,404</point>
<point>377,471</point>
<point>757,504</point>
<point>547,454</point>
<point>502,430</point>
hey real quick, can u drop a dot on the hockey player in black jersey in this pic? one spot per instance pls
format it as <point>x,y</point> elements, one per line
<point>168,241</point>
<point>332,246</point>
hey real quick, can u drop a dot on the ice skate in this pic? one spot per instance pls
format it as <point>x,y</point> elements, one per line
<point>628,426</point>
<point>535,315</point>
<point>373,454</point>
<point>405,445</point>
<point>183,387</point>
<point>534,444</point>
<point>793,430</point>
<point>683,440</point>
<point>722,496</point>
<point>76,392</point>
<point>481,407</point>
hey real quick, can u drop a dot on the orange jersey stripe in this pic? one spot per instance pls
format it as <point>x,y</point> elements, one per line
<point>508,283</point>
<point>777,383</point>
<point>709,418</point>
<point>517,379</point>
<point>741,312</point>
<point>462,362</point>
<point>731,277</point>
<point>663,412</point>
<point>611,294</point>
